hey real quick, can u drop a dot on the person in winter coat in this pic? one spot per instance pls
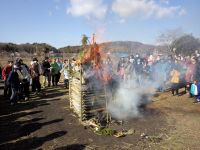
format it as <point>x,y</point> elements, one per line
<point>35,75</point>
<point>195,91</point>
<point>46,72</point>
<point>175,79</point>
<point>197,97</point>
<point>5,73</point>
<point>55,70</point>
<point>197,70</point>
<point>14,82</point>
<point>0,71</point>
<point>60,64</point>
<point>190,71</point>
<point>25,77</point>
<point>121,68</point>
<point>139,71</point>
<point>65,71</point>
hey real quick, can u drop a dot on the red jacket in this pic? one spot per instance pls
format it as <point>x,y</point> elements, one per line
<point>5,72</point>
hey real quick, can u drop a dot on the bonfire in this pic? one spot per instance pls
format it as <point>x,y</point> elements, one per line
<point>87,86</point>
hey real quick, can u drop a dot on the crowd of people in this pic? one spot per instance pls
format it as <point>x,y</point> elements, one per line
<point>19,77</point>
<point>175,71</point>
<point>166,71</point>
<point>163,72</point>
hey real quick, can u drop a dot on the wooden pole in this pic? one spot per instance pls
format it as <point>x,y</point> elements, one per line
<point>70,98</point>
<point>81,73</point>
<point>107,115</point>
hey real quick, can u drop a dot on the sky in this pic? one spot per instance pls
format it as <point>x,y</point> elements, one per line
<point>63,22</point>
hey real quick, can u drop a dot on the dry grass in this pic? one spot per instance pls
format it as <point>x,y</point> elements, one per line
<point>183,117</point>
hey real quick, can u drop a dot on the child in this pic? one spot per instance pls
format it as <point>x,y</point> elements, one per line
<point>65,70</point>
<point>194,91</point>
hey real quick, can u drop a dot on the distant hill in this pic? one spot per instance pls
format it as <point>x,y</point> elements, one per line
<point>38,49</point>
<point>132,47</point>
<point>69,49</point>
<point>121,46</point>
<point>41,49</point>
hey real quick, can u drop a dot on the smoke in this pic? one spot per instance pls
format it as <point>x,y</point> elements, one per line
<point>137,90</point>
<point>129,97</point>
<point>126,95</point>
<point>125,104</point>
<point>100,33</point>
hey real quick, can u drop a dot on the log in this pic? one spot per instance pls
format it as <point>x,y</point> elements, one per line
<point>95,110</point>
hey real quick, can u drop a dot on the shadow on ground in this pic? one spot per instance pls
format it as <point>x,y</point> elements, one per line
<point>72,147</point>
<point>19,121</point>
<point>32,143</point>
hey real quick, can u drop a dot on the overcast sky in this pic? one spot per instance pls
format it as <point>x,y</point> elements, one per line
<point>62,22</point>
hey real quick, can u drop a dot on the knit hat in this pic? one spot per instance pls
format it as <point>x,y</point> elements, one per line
<point>35,59</point>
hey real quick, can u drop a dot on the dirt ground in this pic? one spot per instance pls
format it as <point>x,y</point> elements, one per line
<point>46,122</point>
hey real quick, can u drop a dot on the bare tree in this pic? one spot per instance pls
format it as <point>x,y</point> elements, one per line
<point>186,44</point>
<point>168,37</point>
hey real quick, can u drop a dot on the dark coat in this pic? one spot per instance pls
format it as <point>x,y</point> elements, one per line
<point>13,79</point>
<point>46,67</point>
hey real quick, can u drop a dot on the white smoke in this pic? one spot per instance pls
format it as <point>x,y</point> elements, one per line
<point>129,96</point>
<point>125,105</point>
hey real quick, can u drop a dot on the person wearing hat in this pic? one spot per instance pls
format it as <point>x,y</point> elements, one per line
<point>35,75</point>
<point>5,73</point>
<point>14,81</point>
<point>35,59</point>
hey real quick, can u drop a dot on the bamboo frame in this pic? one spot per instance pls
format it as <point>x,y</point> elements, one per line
<point>85,103</point>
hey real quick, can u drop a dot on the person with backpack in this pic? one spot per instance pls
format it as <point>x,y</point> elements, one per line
<point>35,75</point>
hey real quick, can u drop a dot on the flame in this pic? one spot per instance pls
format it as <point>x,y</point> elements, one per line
<point>95,55</point>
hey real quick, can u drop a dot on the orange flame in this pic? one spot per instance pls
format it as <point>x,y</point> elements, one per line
<point>94,54</point>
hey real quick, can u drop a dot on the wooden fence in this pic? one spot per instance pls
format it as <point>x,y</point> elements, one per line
<point>86,103</point>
